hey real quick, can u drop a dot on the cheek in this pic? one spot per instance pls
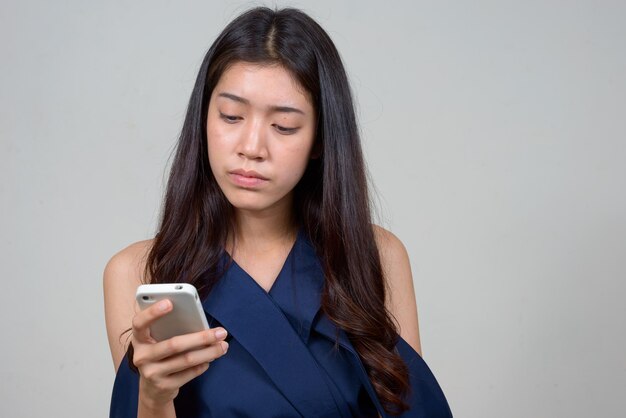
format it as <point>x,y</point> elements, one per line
<point>296,160</point>
<point>216,141</point>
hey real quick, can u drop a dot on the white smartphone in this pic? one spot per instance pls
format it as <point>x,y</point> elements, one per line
<point>187,315</point>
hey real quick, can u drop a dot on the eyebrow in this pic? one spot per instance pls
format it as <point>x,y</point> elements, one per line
<point>282,109</point>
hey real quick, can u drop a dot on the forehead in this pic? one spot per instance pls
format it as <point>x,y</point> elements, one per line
<point>263,85</point>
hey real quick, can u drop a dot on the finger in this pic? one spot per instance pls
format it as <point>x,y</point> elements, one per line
<point>187,342</point>
<point>142,320</point>
<point>193,358</point>
<point>176,380</point>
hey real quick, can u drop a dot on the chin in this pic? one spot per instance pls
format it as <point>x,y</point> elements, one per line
<point>248,206</point>
<point>249,203</point>
<point>256,202</point>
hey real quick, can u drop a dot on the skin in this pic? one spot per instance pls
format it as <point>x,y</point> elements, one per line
<point>245,130</point>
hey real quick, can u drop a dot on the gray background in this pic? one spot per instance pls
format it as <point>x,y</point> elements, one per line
<point>495,136</point>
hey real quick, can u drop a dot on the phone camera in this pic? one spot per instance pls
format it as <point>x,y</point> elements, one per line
<point>178,287</point>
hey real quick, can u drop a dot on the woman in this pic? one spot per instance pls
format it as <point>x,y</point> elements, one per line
<point>267,214</point>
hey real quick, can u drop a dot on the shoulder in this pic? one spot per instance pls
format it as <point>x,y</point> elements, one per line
<point>391,249</point>
<point>122,274</point>
<point>394,261</point>
<point>130,261</point>
<point>400,295</point>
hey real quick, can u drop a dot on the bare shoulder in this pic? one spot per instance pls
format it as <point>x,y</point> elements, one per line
<point>390,247</point>
<point>394,258</point>
<point>128,262</point>
<point>122,274</point>
<point>400,299</point>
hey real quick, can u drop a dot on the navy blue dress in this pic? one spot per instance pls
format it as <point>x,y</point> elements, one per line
<point>281,360</point>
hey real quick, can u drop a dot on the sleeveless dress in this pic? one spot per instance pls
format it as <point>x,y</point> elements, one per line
<point>281,360</point>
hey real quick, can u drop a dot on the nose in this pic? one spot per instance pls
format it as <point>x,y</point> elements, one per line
<point>252,143</point>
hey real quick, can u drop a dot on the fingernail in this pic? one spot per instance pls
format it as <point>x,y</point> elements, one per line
<point>224,346</point>
<point>164,305</point>
<point>220,333</point>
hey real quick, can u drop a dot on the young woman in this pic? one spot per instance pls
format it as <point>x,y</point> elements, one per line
<point>311,307</point>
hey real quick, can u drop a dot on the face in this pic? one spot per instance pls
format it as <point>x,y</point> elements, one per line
<point>260,133</point>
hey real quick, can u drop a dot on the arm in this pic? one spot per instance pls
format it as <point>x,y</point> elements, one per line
<point>400,300</point>
<point>122,274</point>
<point>163,366</point>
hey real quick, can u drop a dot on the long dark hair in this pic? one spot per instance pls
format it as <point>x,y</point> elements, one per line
<point>331,201</point>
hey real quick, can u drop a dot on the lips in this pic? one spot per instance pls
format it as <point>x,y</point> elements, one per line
<point>249,174</point>
<point>247,179</point>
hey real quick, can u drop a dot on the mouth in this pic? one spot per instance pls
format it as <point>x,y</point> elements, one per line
<point>248,174</point>
<point>247,179</point>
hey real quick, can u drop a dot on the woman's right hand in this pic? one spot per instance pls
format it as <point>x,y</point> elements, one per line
<point>165,366</point>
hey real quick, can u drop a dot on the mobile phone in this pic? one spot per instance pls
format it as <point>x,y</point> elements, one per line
<point>187,315</point>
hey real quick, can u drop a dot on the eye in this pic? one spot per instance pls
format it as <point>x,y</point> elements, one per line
<point>229,118</point>
<point>285,131</point>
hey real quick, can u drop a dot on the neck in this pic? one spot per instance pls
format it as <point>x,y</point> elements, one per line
<point>262,231</point>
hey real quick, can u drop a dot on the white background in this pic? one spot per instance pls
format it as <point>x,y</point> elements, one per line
<point>495,137</point>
